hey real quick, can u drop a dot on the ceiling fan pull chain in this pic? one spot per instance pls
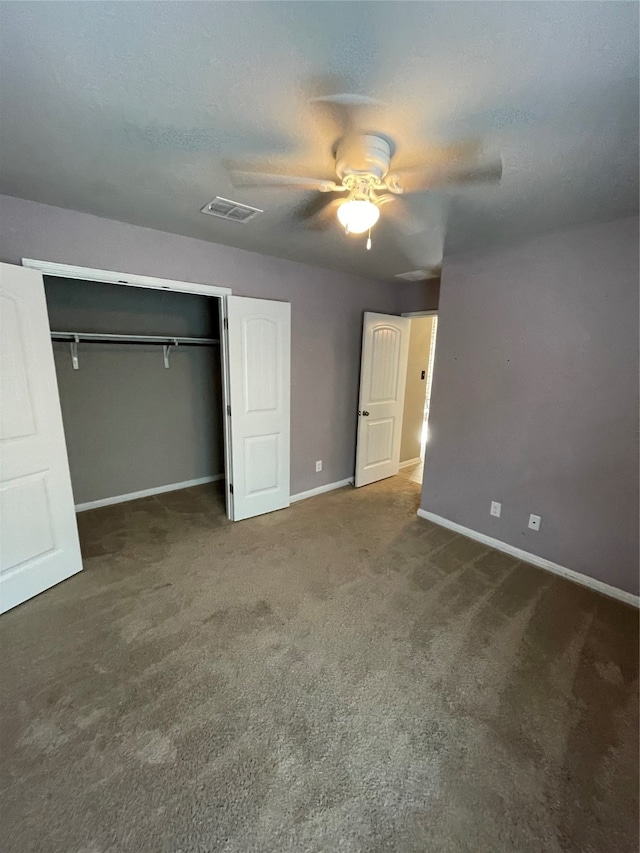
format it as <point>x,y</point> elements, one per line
<point>369,241</point>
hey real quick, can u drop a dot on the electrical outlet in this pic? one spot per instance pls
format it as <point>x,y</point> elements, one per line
<point>534,522</point>
<point>318,466</point>
<point>496,508</point>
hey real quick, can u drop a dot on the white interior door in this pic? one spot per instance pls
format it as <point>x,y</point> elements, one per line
<point>259,336</point>
<point>383,376</point>
<point>38,534</point>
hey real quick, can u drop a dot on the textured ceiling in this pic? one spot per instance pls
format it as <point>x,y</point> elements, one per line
<point>131,110</point>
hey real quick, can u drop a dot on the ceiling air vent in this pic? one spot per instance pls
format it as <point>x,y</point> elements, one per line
<point>232,210</point>
<point>414,275</point>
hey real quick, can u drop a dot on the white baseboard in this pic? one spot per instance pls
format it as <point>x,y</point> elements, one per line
<point>329,487</point>
<point>540,562</point>
<point>410,462</point>
<point>145,493</point>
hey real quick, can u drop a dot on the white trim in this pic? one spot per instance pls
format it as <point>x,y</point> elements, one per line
<point>329,487</point>
<point>432,312</point>
<point>226,404</point>
<point>540,562</point>
<point>126,278</point>
<point>145,493</point>
<point>411,462</point>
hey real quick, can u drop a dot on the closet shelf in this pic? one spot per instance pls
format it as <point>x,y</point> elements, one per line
<point>167,341</point>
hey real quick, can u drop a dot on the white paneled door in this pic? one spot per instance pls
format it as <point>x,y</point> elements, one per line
<point>259,337</point>
<point>38,534</point>
<point>383,376</point>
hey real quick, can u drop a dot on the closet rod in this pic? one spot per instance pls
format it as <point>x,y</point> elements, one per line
<point>74,338</point>
<point>98,337</point>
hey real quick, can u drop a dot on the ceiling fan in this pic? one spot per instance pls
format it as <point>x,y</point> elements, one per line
<point>367,180</point>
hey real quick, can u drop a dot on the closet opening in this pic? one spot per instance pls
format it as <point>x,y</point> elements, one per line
<point>140,381</point>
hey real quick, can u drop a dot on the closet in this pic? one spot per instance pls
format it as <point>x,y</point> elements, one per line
<point>139,378</point>
<point>123,385</point>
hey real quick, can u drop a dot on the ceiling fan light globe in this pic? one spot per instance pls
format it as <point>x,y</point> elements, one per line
<point>358,215</point>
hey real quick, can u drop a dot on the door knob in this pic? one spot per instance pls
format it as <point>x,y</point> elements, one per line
<point>366,414</point>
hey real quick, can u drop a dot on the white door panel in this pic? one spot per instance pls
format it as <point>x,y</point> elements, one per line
<point>259,371</point>
<point>383,375</point>
<point>38,534</point>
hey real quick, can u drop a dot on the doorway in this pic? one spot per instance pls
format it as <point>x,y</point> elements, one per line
<point>140,383</point>
<point>417,401</point>
<point>139,376</point>
<point>395,395</point>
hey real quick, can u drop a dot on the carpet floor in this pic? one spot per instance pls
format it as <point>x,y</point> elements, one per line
<point>337,676</point>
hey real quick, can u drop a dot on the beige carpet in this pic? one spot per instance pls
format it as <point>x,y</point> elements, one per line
<point>338,676</point>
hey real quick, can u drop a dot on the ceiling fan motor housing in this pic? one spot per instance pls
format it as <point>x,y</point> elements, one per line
<point>364,155</point>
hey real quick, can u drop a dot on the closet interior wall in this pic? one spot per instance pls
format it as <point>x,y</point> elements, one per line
<point>130,423</point>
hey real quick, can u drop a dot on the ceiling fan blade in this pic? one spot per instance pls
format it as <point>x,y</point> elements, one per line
<point>400,215</point>
<point>320,213</point>
<point>312,206</point>
<point>417,179</point>
<point>264,179</point>
<point>340,111</point>
<point>489,172</point>
<point>346,100</point>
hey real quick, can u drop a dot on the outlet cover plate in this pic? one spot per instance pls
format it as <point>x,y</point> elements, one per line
<point>534,522</point>
<point>496,509</point>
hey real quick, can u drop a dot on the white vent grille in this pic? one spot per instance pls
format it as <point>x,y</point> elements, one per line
<point>224,208</point>
<point>414,275</point>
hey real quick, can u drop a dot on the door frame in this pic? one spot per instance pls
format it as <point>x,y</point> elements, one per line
<point>155,283</point>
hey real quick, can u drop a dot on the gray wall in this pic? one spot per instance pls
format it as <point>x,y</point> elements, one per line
<point>535,398</point>
<point>418,361</point>
<point>326,310</point>
<point>419,295</point>
<point>130,424</point>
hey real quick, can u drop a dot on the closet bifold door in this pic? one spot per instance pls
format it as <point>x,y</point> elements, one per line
<point>38,534</point>
<point>259,341</point>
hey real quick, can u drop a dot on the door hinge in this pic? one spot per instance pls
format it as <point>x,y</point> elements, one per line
<point>226,323</point>
<point>229,411</point>
<point>231,488</point>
